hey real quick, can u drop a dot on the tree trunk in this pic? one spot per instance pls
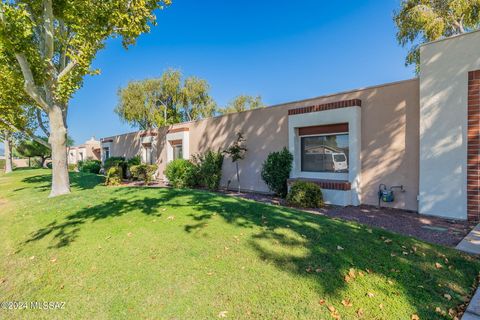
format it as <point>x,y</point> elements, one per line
<point>8,153</point>
<point>58,142</point>
<point>238,178</point>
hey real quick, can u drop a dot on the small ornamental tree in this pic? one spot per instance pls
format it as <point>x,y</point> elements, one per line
<point>53,44</point>
<point>276,171</point>
<point>31,148</point>
<point>237,152</point>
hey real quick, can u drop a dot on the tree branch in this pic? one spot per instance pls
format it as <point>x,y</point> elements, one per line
<point>41,124</point>
<point>48,26</point>
<point>28,133</point>
<point>67,69</point>
<point>29,84</point>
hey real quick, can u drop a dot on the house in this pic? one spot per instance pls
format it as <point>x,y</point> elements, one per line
<point>90,150</point>
<point>421,135</point>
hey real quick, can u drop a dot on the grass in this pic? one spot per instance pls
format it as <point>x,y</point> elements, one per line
<point>122,253</point>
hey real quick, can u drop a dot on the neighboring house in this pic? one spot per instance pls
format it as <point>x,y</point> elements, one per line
<point>422,134</point>
<point>90,150</point>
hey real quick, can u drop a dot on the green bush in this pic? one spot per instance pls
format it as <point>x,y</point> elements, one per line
<point>209,169</point>
<point>143,172</point>
<point>305,195</point>
<point>114,176</point>
<point>182,173</point>
<point>276,171</point>
<point>114,162</point>
<point>72,167</point>
<point>135,161</point>
<point>89,166</point>
<point>49,165</point>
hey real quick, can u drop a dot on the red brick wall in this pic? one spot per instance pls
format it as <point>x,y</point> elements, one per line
<point>473,153</point>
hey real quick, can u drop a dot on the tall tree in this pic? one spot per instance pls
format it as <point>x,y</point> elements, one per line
<point>197,104</point>
<point>420,21</point>
<point>138,104</point>
<point>243,103</point>
<point>54,43</point>
<point>152,103</point>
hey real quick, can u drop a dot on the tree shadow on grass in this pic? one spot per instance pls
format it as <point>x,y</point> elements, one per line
<point>332,247</point>
<point>78,180</point>
<point>65,232</point>
<point>277,234</point>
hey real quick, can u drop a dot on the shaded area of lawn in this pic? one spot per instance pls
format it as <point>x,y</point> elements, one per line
<point>291,260</point>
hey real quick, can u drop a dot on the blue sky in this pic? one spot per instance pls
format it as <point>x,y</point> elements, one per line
<point>281,50</point>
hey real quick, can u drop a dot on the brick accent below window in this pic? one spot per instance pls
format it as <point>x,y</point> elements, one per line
<point>325,184</point>
<point>473,147</point>
<point>327,106</point>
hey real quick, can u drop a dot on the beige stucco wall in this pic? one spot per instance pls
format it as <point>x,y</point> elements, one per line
<point>389,152</point>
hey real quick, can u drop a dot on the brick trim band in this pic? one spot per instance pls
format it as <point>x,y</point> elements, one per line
<point>178,130</point>
<point>148,134</point>
<point>325,129</point>
<point>326,106</point>
<point>473,147</point>
<point>325,184</point>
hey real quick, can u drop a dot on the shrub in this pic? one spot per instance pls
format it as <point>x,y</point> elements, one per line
<point>114,176</point>
<point>143,172</point>
<point>276,171</point>
<point>89,166</point>
<point>182,173</point>
<point>135,161</point>
<point>72,167</point>
<point>305,195</point>
<point>209,167</point>
<point>49,165</point>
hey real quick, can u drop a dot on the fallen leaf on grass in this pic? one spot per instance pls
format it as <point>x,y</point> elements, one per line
<point>170,217</point>
<point>351,273</point>
<point>370,295</point>
<point>347,303</point>
<point>340,248</point>
<point>53,260</point>
<point>361,273</point>
<point>318,270</point>
<point>438,265</point>
<point>331,308</point>
<point>380,305</point>
<point>360,312</point>
<point>222,314</point>
<point>388,241</point>
<point>129,234</point>
<point>440,311</point>
<point>321,302</point>
<point>414,317</point>
<point>389,281</point>
<point>447,296</point>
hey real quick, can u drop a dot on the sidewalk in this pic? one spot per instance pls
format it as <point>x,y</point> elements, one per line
<point>471,244</point>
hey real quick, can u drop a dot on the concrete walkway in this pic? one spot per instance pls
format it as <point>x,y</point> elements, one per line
<point>471,244</point>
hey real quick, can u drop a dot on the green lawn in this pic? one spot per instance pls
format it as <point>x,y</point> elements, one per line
<point>137,253</point>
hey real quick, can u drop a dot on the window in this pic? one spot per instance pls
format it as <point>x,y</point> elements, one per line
<point>177,151</point>
<point>147,154</point>
<point>106,153</point>
<point>324,153</point>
